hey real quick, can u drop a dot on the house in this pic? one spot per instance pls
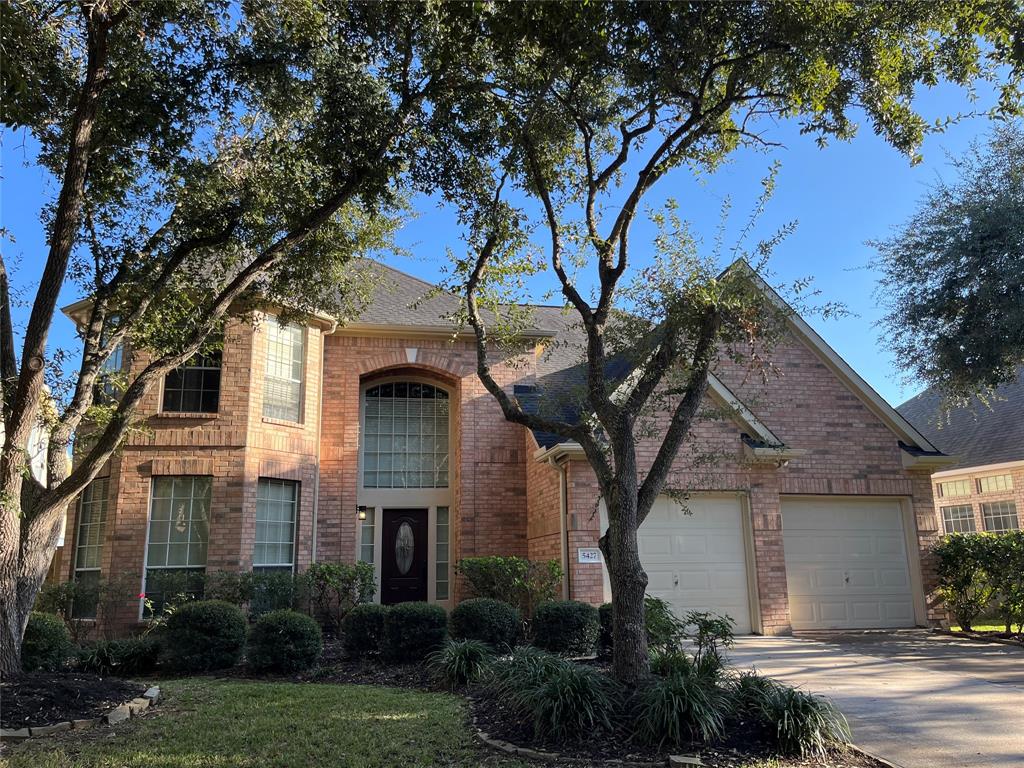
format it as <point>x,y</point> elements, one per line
<point>376,441</point>
<point>984,489</point>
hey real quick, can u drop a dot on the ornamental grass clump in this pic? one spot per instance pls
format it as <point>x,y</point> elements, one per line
<point>805,724</point>
<point>683,702</point>
<point>460,662</point>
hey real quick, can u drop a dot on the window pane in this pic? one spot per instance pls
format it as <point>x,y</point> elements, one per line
<point>195,386</point>
<point>179,530</point>
<point>282,388</point>
<point>955,488</point>
<point>92,523</point>
<point>276,506</point>
<point>1000,516</point>
<point>958,519</point>
<point>405,441</point>
<point>995,483</point>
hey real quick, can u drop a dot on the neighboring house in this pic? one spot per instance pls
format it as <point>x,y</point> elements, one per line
<point>984,490</point>
<point>376,441</point>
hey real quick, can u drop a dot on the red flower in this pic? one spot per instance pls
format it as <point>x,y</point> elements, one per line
<point>142,595</point>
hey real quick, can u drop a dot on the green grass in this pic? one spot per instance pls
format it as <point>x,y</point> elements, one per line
<point>983,628</point>
<point>218,724</point>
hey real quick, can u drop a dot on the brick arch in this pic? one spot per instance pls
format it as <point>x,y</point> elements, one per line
<point>446,367</point>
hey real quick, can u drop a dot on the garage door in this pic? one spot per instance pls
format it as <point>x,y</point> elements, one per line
<point>697,562</point>
<point>846,564</point>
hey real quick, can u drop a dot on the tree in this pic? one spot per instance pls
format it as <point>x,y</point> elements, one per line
<point>597,104</point>
<point>953,274</point>
<point>208,157</point>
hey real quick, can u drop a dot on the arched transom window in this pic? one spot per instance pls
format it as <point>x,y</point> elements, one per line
<point>405,443</point>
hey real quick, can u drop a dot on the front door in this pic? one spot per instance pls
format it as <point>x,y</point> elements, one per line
<point>403,568</point>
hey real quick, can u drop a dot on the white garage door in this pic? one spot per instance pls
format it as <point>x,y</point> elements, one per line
<point>846,564</point>
<point>696,562</point>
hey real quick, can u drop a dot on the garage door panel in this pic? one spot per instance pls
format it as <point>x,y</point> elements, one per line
<point>696,561</point>
<point>846,564</point>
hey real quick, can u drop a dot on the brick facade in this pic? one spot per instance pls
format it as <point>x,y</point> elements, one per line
<point>976,497</point>
<point>502,501</point>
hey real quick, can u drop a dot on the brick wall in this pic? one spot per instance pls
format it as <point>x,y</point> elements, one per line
<point>976,498</point>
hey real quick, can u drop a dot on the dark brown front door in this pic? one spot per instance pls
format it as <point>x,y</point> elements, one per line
<point>403,568</point>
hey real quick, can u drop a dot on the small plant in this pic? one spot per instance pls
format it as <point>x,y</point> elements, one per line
<point>412,631</point>
<point>459,662</point>
<point>664,629</point>
<point>284,641</point>
<point>204,635</point>
<point>679,707</point>
<point>752,694</point>
<point>566,626</point>
<point>274,591</point>
<point>514,580</point>
<point>566,701</point>
<point>487,620</point>
<point>47,643</point>
<point>508,674</point>
<point>362,630</point>
<point>805,724</point>
<point>710,634</point>
<point>337,588</point>
<point>125,656</point>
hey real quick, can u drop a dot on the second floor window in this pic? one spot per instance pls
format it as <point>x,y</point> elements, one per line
<point>282,385</point>
<point>195,386</point>
<point>405,444</point>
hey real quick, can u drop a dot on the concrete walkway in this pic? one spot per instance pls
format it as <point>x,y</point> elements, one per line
<point>917,699</point>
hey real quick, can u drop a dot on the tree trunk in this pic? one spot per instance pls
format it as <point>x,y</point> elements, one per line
<point>630,663</point>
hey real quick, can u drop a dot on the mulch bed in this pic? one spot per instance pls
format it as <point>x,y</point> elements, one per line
<point>493,716</point>
<point>45,698</point>
<point>1016,638</point>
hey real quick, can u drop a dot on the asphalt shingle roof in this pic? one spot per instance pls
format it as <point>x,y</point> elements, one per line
<point>977,435</point>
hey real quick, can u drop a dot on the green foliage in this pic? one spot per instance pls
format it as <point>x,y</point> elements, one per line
<point>284,641</point>
<point>121,657</point>
<point>805,724</point>
<point>412,631</point>
<point>485,619</point>
<point>565,700</point>
<point>47,643</point>
<point>204,635</point>
<point>515,580</point>
<point>258,591</point>
<point>710,634</point>
<point>684,704</point>
<point>666,662</point>
<point>953,274</point>
<point>566,626</point>
<point>962,568</point>
<point>752,694</point>
<point>1006,573</point>
<point>337,588</point>
<point>664,629</point>
<point>459,662</point>
<point>362,630</point>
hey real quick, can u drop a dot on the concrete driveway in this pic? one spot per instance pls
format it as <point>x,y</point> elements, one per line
<point>917,699</point>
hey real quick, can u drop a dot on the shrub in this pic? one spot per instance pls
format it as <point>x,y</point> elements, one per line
<point>125,656</point>
<point>284,641</point>
<point>233,587</point>
<point>1006,571</point>
<point>804,724</point>
<point>679,707</point>
<point>565,700</point>
<point>412,631</point>
<point>507,675</point>
<point>363,629</point>
<point>675,660</point>
<point>514,580</point>
<point>459,662</point>
<point>963,571</point>
<point>566,626</point>
<point>204,635</point>
<point>710,633</point>
<point>487,620</point>
<point>47,643</point>
<point>752,694</point>
<point>337,588</point>
<point>664,628</point>
<point>274,591</point>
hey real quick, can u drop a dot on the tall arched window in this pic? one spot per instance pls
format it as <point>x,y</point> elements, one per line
<point>405,442</point>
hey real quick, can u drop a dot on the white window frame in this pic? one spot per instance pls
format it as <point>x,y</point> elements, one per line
<point>997,483</point>
<point>297,487</point>
<point>274,328</point>
<point>953,525</point>
<point>102,502</point>
<point>1001,517</point>
<point>947,485</point>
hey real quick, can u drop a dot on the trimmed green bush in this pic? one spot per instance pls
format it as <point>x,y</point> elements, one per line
<point>982,572</point>
<point>336,588</point>
<point>566,626</point>
<point>47,643</point>
<point>664,628</point>
<point>363,629</point>
<point>513,580</point>
<point>284,641</point>
<point>487,620</point>
<point>459,662</point>
<point>124,656</point>
<point>204,635</point>
<point>412,631</point>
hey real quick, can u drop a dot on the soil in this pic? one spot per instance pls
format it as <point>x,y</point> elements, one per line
<point>1013,637</point>
<point>45,698</point>
<point>746,743</point>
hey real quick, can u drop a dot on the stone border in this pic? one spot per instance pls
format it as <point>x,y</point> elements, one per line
<point>978,638</point>
<point>116,715</point>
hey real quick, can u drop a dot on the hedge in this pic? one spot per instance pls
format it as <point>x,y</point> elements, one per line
<point>982,573</point>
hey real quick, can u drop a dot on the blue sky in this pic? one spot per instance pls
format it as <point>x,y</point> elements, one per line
<point>841,196</point>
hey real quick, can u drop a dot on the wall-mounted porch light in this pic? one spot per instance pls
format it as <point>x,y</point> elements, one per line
<point>361,511</point>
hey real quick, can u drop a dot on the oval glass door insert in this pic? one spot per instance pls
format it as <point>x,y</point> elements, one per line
<point>404,548</point>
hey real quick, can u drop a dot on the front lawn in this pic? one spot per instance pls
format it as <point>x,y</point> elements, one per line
<point>220,724</point>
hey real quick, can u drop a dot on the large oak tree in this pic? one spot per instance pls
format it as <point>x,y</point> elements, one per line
<point>596,104</point>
